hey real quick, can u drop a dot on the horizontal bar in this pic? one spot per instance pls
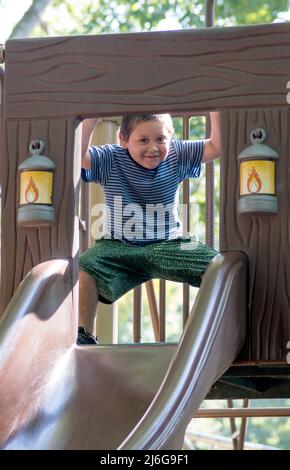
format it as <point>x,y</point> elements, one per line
<point>243,413</point>
<point>75,75</point>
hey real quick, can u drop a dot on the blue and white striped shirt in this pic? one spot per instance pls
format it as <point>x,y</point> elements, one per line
<point>141,203</point>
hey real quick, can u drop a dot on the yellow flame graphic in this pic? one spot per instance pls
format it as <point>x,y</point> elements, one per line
<point>31,192</point>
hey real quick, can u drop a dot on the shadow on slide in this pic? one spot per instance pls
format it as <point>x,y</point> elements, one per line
<point>56,395</point>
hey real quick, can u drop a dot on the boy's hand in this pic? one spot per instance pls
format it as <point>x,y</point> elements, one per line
<point>212,146</point>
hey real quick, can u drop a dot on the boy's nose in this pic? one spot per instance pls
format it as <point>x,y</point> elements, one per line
<point>153,146</point>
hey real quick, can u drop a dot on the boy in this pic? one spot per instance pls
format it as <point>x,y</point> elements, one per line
<point>141,177</point>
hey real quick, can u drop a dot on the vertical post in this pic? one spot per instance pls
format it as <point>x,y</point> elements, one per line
<point>162,309</point>
<point>137,312</point>
<point>153,309</point>
<point>107,315</point>
<point>209,169</point>
<point>186,223</point>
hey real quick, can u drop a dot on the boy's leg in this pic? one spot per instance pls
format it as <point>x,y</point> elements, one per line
<point>88,300</point>
<point>107,271</point>
<point>181,260</point>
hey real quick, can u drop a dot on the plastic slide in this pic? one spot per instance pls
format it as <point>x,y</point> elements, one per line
<point>57,395</point>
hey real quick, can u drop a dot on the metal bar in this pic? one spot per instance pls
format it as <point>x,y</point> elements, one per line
<point>137,314</point>
<point>153,309</point>
<point>242,412</point>
<point>209,13</point>
<point>186,222</point>
<point>235,433</point>
<point>220,441</point>
<point>185,307</point>
<point>209,169</point>
<point>243,426</point>
<point>209,204</point>
<point>162,308</point>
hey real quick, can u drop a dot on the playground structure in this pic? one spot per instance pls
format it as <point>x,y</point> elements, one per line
<point>241,312</point>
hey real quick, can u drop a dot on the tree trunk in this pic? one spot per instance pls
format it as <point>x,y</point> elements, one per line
<point>29,20</point>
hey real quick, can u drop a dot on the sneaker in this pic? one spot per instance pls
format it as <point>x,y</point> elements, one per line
<point>84,337</point>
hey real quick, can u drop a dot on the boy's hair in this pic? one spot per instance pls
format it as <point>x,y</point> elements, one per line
<point>130,121</point>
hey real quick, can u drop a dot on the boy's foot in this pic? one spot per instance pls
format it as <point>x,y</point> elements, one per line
<point>84,337</point>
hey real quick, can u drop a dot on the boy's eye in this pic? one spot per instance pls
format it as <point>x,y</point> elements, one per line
<point>160,140</point>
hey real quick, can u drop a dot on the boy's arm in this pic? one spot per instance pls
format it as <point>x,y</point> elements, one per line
<point>88,128</point>
<point>212,145</point>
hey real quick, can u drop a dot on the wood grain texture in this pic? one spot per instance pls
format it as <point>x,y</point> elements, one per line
<point>265,238</point>
<point>23,248</point>
<point>189,70</point>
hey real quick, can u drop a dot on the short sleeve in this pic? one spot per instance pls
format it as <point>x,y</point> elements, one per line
<point>101,164</point>
<point>189,156</point>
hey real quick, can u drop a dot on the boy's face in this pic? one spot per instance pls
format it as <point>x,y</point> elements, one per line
<point>148,143</point>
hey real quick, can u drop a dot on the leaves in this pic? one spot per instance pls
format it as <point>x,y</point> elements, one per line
<point>66,17</point>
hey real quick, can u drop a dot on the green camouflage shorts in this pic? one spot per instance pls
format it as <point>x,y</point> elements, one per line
<point>118,267</point>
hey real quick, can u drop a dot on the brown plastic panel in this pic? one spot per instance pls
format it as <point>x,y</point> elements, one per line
<point>264,238</point>
<point>190,70</point>
<point>22,248</point>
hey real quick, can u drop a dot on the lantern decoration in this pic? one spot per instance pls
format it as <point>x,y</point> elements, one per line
<point>257,176</point>
<point>36,186</point>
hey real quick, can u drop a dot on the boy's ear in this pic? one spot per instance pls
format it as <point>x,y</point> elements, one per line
<point>123,141</point>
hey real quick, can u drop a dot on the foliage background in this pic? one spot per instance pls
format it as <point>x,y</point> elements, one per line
<point>67,17</point>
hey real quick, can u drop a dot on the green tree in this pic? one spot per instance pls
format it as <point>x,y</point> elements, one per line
<point>71,17</point>
<point>249,12</point>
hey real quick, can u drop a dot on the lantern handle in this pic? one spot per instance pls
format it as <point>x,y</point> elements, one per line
<point>258,135</point>
<point>36,147</point>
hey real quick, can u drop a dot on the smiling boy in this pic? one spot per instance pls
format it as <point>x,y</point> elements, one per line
<point>141,176</point>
